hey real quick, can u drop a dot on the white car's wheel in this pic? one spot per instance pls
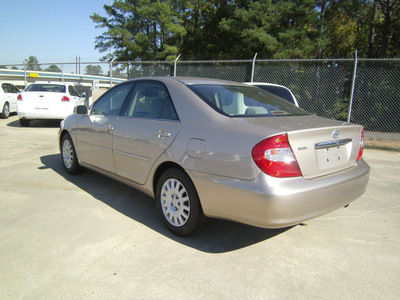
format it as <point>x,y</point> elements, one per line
<point>68,155</point>
<point>5,113</point>
<point>178,203</point>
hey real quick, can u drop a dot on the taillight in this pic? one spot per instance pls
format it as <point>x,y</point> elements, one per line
<point>64,99</point>
<point>360,152</point>
<point>19,97</point>
<point>275,157</point>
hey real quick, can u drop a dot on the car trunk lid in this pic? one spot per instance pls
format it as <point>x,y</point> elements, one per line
<point>320,146</point>
<point>42,101</point>
<point>322,151</point>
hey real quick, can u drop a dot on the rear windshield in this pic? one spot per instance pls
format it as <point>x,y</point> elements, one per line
<point>245,101</point>
<point>55,88</point>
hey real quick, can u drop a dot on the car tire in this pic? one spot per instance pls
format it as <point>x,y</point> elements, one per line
<point>5,113</point>
<point>24,122</point>
<point>178,203</point>
<point>68,156</point>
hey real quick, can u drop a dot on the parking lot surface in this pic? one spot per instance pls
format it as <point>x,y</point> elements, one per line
<point>90,237</point>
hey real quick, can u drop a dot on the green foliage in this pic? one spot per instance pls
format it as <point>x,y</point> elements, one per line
<point>150,30</point>
<point>93,70</point>
<point>217,29</point>
<point>53,68</point>
<point>32,64</point>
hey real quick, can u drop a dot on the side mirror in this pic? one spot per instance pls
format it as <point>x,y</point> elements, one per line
<point>81,110</point>
<point>83,95</point>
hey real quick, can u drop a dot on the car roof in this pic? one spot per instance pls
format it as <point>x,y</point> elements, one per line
<point>52,82</point>
<point>191,80</point>
<point>266,84</point>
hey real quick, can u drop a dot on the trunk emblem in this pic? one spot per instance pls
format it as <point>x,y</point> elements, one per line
<point>335,134</point>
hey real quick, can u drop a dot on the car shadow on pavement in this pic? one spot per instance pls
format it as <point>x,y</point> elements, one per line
<point>217,236</point>
<point>37,124</point>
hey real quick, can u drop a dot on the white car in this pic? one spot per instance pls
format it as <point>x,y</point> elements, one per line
<point>8,99</point>
<point>50,100</point>
<point>276,89</point>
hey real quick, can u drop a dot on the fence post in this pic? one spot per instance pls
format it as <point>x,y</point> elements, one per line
<point>175,64</point>
<point>24,75</point>
<point>252,68</point>
<point>111,62</point>
<point>62,72</point>
<point>352,87</point>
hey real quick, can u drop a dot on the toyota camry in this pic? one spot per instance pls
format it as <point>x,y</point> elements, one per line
<point>213,148</point>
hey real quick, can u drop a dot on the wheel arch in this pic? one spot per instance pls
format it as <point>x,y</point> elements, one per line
<point>62,134</point>
<point>161,169</point>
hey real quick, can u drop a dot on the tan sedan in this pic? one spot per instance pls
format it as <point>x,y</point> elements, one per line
<point>215,148</point>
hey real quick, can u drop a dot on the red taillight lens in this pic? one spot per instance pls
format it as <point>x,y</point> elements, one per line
<point>19,97</point>
<point>360,152</point>
<point>275,157</point>
<point>64,99</point>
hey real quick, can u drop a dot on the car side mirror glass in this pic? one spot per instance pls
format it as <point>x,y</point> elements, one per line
<point>81,110</point>
<point>83,95</point>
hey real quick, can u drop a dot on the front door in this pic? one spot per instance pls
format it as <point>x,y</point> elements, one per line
<point>94,133</point>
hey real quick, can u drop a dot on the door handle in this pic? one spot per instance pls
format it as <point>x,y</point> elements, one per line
<point>109,128</point>
<point>162,134</point>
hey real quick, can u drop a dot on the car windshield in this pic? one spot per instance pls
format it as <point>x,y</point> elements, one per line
<point>245,101</point>
<point>56,88</point>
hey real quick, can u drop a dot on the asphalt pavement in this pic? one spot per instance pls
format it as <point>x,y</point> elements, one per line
<point>90,237</point>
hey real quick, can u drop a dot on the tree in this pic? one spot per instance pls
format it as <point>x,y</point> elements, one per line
<point>147,29</point>
<point>391,15</point>
<point>32,64</point>
<point>237,29</point>
<point>93,70</point>
<point>53,68</point>
<point>273,29</point>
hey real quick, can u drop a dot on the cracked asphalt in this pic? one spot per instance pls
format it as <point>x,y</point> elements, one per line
<point>89,237</point>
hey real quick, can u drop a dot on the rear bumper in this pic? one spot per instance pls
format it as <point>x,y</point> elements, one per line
<point>42,115</point>
<point>275,202</point>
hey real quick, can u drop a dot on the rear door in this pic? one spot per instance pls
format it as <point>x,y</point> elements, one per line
<point>144,133</point>
<point>94,133</point>
<point>75,97</point>
<point>12,94</point>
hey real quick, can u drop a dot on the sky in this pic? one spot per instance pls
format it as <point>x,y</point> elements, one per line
<point>51,30</point>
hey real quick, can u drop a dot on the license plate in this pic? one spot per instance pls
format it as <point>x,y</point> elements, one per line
<point>331,157</point>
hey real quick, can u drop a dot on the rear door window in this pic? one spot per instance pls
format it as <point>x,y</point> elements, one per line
<point>151,100</point>
<point>13,89</point>
<point>72,91</point>
<point>4,87</point>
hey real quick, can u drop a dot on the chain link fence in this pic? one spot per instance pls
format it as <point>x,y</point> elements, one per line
<point>362,91</point>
